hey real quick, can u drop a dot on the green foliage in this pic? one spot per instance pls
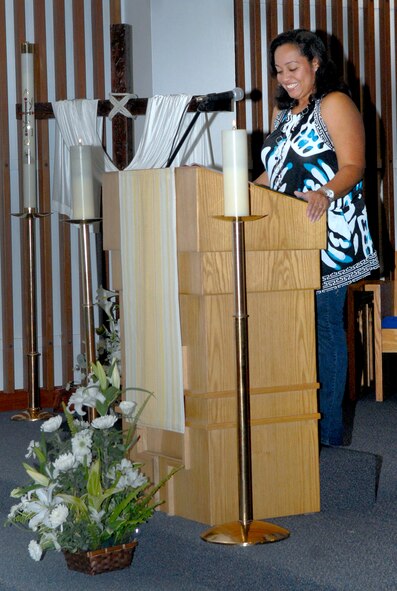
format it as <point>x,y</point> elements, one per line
<point>83,491</point>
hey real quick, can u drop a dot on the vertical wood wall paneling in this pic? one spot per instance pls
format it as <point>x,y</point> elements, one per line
<point>386,137</point>
<point>98,49</point>
<point>99,92</point>
<point>7,312</point>
<point>321,16</point>
<point>288,15</point>
<point>336,41</point>
<point>241,106</point>
<point>353,53</point>
<point>115,12</point>
<point>304,14</point>
<point>79,50</point>
<point>372,177</point>
<point>20,36</point>
<point>65,274</point>
<point>256,93</point>
<point>271,32</point>
<point>43,168</point>
<point>122,127</point>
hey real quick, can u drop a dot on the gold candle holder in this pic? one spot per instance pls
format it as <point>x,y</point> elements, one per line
<point>246,531</point>
<point>34,411</point>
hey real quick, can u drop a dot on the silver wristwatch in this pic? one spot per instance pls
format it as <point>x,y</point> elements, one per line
<point>328,193</point>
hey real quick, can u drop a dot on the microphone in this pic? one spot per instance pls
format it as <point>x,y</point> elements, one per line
<point>207,100</point>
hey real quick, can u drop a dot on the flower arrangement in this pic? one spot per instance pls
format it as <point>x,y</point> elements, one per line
<point>84,494</point>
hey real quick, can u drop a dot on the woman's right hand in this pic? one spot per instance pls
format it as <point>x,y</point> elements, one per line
<point>317,204</point>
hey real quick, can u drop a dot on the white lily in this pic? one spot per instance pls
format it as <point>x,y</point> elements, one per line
<point>104,297</point>
<point>87,396</point>
<point>41,506</point>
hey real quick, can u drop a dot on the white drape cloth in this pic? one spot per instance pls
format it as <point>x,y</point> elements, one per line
<point>152,334</point>
<point>76,120</point>
<point>165,124</point>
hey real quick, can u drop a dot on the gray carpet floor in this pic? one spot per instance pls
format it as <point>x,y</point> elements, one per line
<point>351,545</point>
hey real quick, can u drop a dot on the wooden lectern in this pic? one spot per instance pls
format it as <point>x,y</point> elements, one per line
<point>283,270</point>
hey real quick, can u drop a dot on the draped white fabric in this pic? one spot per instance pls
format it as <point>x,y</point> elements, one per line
<point>152,333</point>
<point>166,120</point>
<point>76,121</point>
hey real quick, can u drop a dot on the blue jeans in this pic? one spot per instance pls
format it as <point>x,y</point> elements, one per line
<point>332,363</point>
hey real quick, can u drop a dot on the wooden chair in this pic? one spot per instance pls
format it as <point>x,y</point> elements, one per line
<point>384,326</point>
<point>360,338</point>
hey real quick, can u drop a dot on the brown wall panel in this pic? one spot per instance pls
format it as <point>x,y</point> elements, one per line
<point>44,225</point>
<point>63,228</point>
<point>240,61</point>
<point>7,312</point>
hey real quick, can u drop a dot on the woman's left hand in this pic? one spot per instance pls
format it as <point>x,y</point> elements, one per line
<point>317,204</point>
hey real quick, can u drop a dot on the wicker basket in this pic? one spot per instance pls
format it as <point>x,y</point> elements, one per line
<point>102,560</point>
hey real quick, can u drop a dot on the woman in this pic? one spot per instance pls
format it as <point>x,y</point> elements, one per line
<point>316,152</point>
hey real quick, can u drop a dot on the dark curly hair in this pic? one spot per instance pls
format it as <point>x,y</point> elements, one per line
<point>310,46</point>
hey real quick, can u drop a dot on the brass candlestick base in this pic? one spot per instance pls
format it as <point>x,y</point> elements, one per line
<point>33,412</point>
<point>254,532</point>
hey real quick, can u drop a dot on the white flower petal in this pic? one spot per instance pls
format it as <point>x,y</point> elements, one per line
<point>59,515</point>
<point>105,422</point>
<point>35,550</point>
<point>63,463</point>
<point>127,407</point>
<point>51,424</point>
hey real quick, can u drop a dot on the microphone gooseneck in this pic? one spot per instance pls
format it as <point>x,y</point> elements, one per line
<point>206,101</point>
<point>237,94</point>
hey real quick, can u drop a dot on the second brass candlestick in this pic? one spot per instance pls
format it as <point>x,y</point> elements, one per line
<point>245,531</point>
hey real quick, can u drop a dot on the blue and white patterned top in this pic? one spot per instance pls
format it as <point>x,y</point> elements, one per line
<point>299,156</point>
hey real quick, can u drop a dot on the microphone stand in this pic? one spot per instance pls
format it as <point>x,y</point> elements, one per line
<point>182,140</point>
<point>207,105</point>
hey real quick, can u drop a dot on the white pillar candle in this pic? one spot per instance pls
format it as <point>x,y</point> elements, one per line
<point>28,127</point>
<point>83,202</point>
<point>235,172</point>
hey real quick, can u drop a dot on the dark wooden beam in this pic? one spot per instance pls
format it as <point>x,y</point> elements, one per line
<point>122,127</point>
<point>134,106</point>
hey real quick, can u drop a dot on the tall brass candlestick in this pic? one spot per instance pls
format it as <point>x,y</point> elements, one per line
<point>245,531</point>
<point>33,412</point>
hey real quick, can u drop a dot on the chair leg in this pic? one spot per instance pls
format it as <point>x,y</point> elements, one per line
<point>375,288</point>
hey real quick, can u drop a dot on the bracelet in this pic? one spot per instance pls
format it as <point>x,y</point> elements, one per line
<point>329,194</point>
